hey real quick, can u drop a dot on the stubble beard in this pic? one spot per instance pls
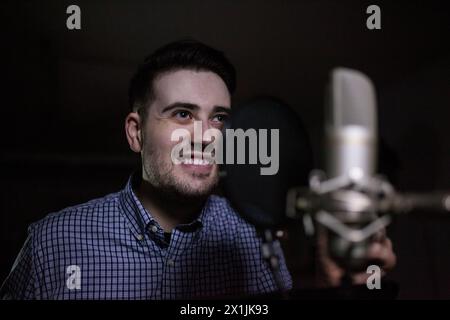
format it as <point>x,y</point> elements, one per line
<point>172,184</point>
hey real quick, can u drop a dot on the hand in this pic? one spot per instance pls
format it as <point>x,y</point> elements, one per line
<point>330,274</point>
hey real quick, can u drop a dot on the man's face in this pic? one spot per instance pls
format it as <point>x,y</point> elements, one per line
<point>180,98</point>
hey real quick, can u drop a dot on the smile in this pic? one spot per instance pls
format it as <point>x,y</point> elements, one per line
<point>196,162</point>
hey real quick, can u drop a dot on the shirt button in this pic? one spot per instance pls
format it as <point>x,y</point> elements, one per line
<point>140,237</point>
<point>170,262</point>
<point>153,229</point>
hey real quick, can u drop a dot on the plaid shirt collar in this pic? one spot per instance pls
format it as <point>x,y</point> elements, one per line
<point>140,220</point>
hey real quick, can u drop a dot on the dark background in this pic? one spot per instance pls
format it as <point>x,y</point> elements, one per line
<point>64,99</point>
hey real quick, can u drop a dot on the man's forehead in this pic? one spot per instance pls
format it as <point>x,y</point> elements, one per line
<point>202,88</point>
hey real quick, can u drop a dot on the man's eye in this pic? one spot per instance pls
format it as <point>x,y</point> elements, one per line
<point>183,114</point>
<point>220,117</point>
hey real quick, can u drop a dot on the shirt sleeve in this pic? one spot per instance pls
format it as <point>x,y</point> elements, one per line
<point>20,283</point>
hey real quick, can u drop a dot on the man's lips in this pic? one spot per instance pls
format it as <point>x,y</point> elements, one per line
<point>196,162</point>
<point>197,165</point>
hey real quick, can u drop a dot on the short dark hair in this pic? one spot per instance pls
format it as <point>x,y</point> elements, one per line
<point>183,54</point>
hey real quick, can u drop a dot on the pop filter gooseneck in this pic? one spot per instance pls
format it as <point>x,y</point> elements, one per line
<point>278,157</point>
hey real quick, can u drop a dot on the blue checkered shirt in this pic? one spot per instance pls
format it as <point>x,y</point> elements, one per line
<point>112,248</point>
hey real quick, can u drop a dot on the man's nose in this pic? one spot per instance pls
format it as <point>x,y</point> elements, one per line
<point>198,143</point>
<point>198,132</point>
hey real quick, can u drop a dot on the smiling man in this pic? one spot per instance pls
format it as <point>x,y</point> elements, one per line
<point>165,235</point>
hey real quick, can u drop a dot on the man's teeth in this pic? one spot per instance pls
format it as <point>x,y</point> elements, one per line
<point>197,162</point>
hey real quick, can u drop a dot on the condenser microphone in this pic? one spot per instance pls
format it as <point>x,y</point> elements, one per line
<point>348,203</point>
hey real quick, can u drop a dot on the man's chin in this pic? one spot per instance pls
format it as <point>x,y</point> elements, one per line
<point>194,190</point>
<point>197,187</point>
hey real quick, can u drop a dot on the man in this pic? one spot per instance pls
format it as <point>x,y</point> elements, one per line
<point>164,236</point>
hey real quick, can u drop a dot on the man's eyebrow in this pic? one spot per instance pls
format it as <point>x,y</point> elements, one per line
<point>221,109</point>
<point>193,107</point>
<point>185,105</point>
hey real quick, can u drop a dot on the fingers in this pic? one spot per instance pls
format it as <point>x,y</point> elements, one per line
<point>379,251</point>
<point>361,277</point>
<point>382,251</point>
<point>380,236</point>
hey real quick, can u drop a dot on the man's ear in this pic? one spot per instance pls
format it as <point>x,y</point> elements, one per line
<point>133,129</point>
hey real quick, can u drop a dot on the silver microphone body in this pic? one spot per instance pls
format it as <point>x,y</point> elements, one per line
<point>350,127</point>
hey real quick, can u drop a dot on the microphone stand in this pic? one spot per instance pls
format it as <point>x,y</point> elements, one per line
<point>271,256</point>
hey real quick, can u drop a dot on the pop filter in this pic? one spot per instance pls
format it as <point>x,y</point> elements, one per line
<point>258,191</point>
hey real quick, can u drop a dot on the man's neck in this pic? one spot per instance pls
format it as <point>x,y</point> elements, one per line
<point>167,209</point>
